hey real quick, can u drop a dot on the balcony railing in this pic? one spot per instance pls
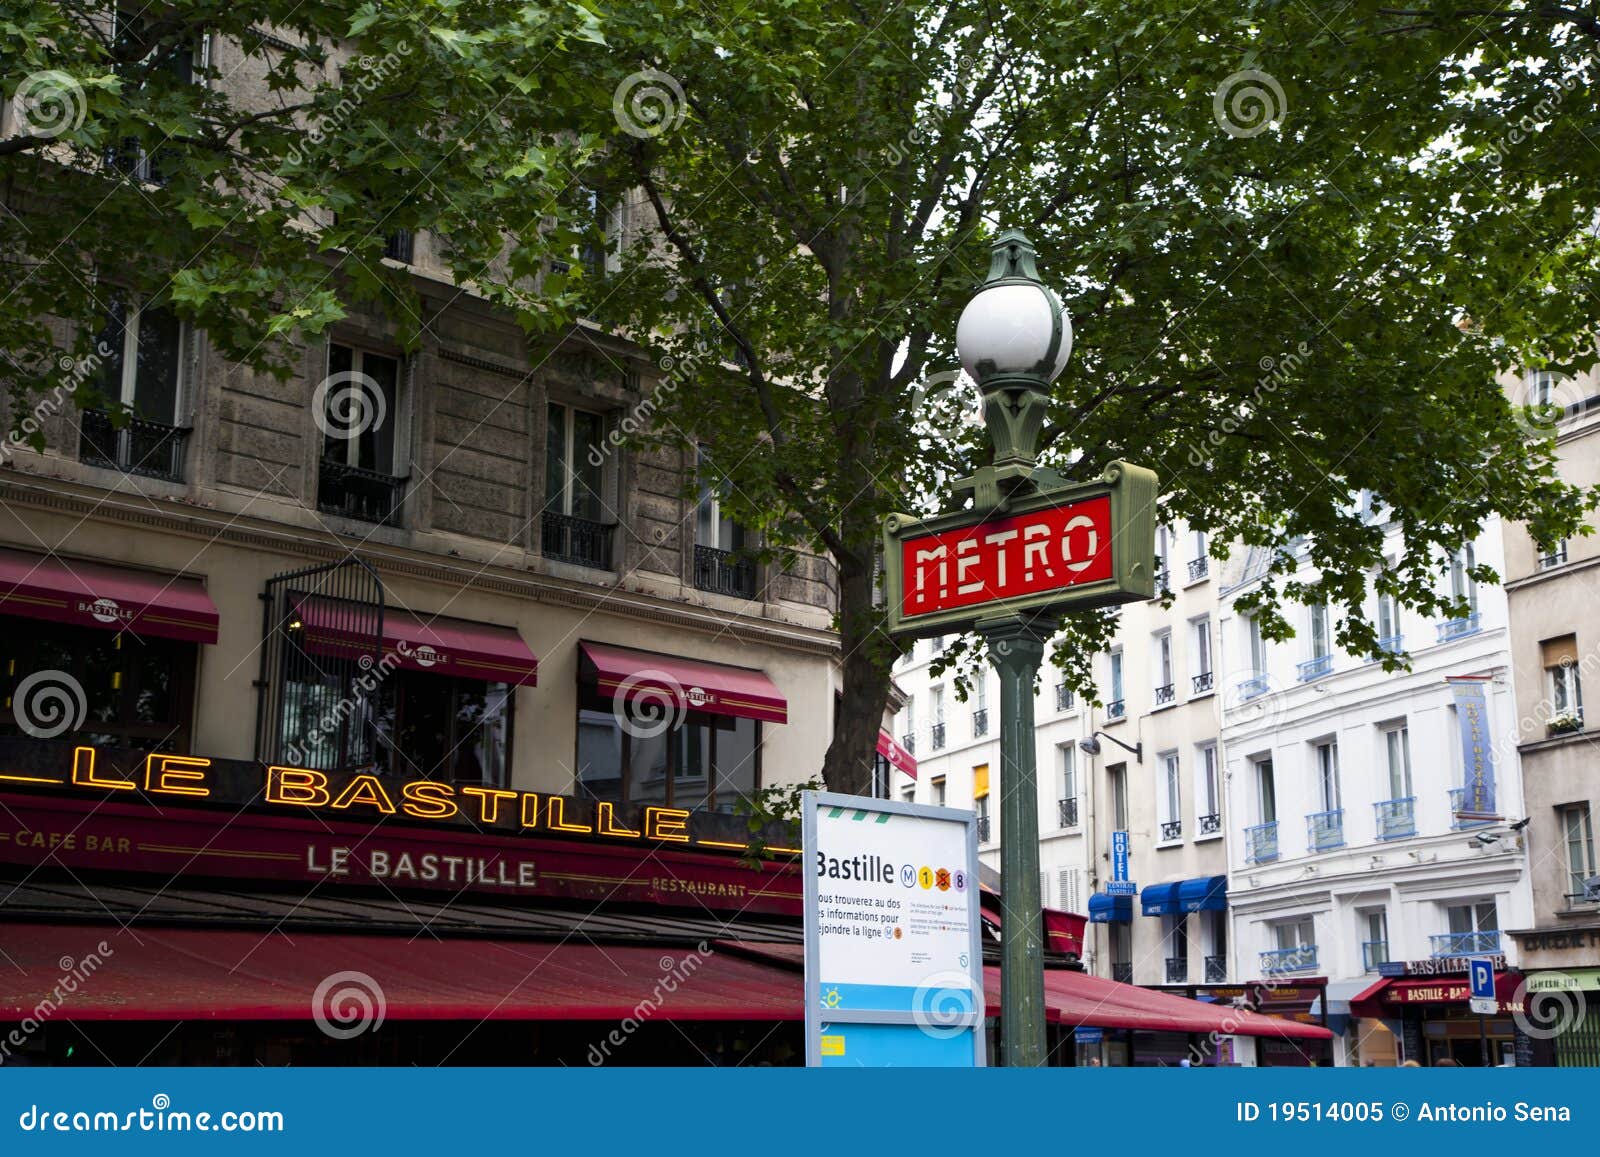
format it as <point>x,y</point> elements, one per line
<point>983,829</point>
<point>1116,709</point>
<point>1171,830</point>
<point>1554,559</point>
<point>936,737</point>
<point>1315,668</point>
<point>1122,971</point>
<point>1165,694</point>
<point>1261,843</point>
<point>1374,953</point>
<point>1396,817</point>
<point>1177,970</point>
<point>980,723</point>
<point>1393,644</point>
<point>1325,830</point>
<point>1198,568</point>
<point>1209,824</point>
<point>1064,699</point>
<point>1466,943</point>
<point>722,572</point>
<point>1163,579</point>
<point>1216,969</point>
<point>1459,628</point>
<point>398,246</point>
<point>151,449</point>
<point>1202,682</point>
<point>909,742</point>
<point>575,540</point>
<point>1301,958</point>
<point>1254,687</point>
<point>355,492</point>
<point>1460,802</point>
<point>1067,812</point>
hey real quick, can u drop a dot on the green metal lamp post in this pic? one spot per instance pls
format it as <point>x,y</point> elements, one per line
<point>1019,546</point>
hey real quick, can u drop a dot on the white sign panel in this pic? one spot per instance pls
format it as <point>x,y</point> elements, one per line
<point>894,971</point>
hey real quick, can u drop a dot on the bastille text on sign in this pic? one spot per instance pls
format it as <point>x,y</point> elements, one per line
<point>1025,554</point>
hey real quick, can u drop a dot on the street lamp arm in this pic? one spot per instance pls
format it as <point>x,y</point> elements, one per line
<point>1091,745</point>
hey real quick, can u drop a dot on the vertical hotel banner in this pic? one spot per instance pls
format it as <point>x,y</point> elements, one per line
<point>1477,754</point>
<point>894,964</point>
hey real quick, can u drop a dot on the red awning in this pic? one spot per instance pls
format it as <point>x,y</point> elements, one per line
<point>1076,998</point>
<point>214,974</point>
<point>690,683</point>
<point>899,758</point>
<point>113,598</point>
<point>1391,994</point>
<point>432,643</point>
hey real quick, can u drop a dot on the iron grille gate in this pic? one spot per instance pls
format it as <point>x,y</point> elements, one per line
<point>321,658</point>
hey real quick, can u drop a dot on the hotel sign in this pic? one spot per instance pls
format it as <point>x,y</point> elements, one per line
<point>1085,545</point>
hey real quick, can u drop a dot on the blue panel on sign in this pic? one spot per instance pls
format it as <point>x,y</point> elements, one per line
<point>901,1045</point>
<point>897,998</point>
<point>1088,1035</point>
<point>1482,973</point>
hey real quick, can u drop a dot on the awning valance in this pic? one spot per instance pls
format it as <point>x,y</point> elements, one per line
<point>899,758</point>
<point>1391,994</point>
<point>1160,899</point>
<point>1203,894</point>
<point>419,642</point>
<point>1104,909</point>
<point>111,598</point>
<point>691,684</point>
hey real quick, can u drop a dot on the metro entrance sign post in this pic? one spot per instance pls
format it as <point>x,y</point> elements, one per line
<point>1019,546</point>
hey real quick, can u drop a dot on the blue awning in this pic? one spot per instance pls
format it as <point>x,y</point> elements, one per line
<point>1105,909</point>
<point>1160,899</point>
<point>1203,894</point>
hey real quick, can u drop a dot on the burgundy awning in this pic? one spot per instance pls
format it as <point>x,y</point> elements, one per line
<point>690,684</point>
<point>899,758</point>
<point>431,643</point>
<point>1390,995</point>
<point>112,598</point>
<point>1076,998</point>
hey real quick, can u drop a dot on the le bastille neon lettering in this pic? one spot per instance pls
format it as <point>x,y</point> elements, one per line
<point>1007,557</point>
<point>426,867</point>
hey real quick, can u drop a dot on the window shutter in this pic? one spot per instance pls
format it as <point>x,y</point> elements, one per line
<point>1561,652</point>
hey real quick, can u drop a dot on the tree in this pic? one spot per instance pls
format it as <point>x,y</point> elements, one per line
<point>1297,245</point>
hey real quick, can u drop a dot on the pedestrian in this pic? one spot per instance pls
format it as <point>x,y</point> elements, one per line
<point>1094,1062</point>
<point>1446,1063</point>
<point>1410,1064</point>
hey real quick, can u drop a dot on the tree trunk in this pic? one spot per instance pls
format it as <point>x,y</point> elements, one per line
<point>867,658</point>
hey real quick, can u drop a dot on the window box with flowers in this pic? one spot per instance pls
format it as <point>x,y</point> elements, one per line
<point>1565,722</point>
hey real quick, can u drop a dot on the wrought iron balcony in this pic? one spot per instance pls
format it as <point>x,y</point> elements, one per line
<point>983,829</point>
<point>1459,803</point>
<point>1198,569</point>
<point>1325,830</point>
<point>1216,969</point>
<point>1171,830</point>
<point>1122,972</point>
<point>151,449</point>
<point>1177,970</point>
<point>936,737</point>
<point>1393,644</point>
<point>1117,709</point>
<point>909,742</point>
<point>1466,943</point>
<point>1315,668</point>
<point>1067,812</point>
<point>980,723</point>
<point>355,492</point>
<point>1261,843</point>
<point>1302,958</point>
<point>1064,699</point>
<point>1202,682</point>
<point>1459,628</point>
<point>723,572</point>
<point>1254,687</point>
<point>1396,817</point>
<point>1374,953</point>
<point>1209,825</point>
<point>1165,694</point>
<point>575,540</point>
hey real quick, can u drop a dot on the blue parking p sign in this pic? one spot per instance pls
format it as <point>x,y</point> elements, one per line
<point>1481,971</point>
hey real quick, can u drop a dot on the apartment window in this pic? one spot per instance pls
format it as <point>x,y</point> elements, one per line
<point>1208,797</point>
<point>1256,645</point>
<point>1327,762</point>
<point>1295,933</point>
<point>1321,643</point>
<point>1463,587</point>
<point>1198,547</point>
<point>938,791</point>
<point>1116,707</point>
<point>1067,761</point>
<point>981,807</point>
<point>575,528</point>
<point>718,542</point>
<point>1164,691</point>
<point>1397,754</point>
<point>1540,387</point>
<point>142,369</point>
<point>1481,916</point>
<point>1163,556</point>
<point>1177,948</point>
<point>1388,620</point>
<point>359,475</point>
<point>1169,797</point>
<point>1200,652</point>
<point>980,706</point>
<point>141,55</point>
<point>1554,556</point>
<point>1579,832</point>
<point>1117,785</point>
<point>1266,792</point>
<point>936,718</point>
<point>908,795</point>
<point>1562,685</point>
<point>1070,882</point>
<point>1121,948</point>
<point>1217,954</point>
<point>909,739</point>
<point>1375,948</point>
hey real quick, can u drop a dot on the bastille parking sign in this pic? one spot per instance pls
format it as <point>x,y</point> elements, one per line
<point>1080,545</point>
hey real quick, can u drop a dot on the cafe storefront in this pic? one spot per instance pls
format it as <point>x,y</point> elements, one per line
<point>1425,1004</point>
<point>1562,993</point>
